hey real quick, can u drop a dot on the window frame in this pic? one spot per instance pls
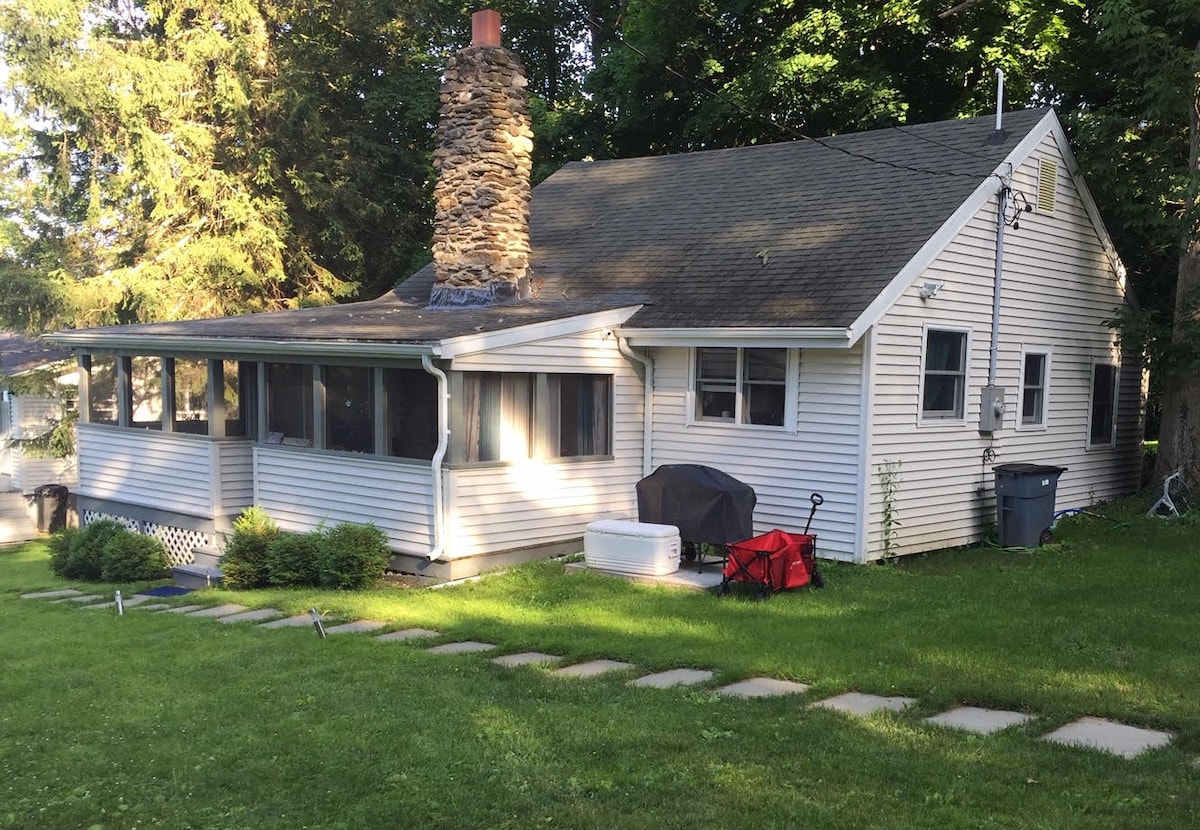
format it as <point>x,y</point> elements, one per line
<point>1047,355</point>
<point>1115,366</point>
<point>958,417</point>
<point>741,384</point>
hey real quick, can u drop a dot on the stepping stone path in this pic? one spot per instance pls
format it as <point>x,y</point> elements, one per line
<point>1109,736</point>
<point>525,658</point>
<point>980,721</point>
<point>674,677</point>
<point>1088,732</point>
<point>464,647</point>
<point>407,634</point>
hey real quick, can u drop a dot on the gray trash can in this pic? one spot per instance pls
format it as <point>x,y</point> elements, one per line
<point>1025,503</point>
<point>51,503</point>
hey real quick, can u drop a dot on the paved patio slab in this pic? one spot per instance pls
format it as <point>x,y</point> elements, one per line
<point>252,616</point>
<point>61,592</point>
<point>290,622</point>
<point>593,668</point>
<point>1109,736</point>
<point>356,627</point>
<point>978,720</point>
<point>182,609</point>
<point>407,634</point>
<point>463,647</point>
<point>686,577</point>
<point>762,687</point>
<point>525,658</point>
<point>218,610</point>
<point>857,703</point>
<point>674,677</point>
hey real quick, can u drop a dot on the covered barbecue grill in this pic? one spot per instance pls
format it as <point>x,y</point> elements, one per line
<point>707,505</point>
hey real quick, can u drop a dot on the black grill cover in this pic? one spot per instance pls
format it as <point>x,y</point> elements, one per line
<point>706,505</point>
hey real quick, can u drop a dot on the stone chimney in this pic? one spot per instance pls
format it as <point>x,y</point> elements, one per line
<point>483,161</point>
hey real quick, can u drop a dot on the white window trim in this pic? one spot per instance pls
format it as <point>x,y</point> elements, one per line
<point>1048,353</point>
<point>933,422</point>
<point>791,392</point>
<point>1087,436</point>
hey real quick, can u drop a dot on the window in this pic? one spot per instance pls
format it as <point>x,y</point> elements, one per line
<point>944,380</point>
<point>290,403</point>
<point>747,386</point>
<point>1102,423</point>
<point>102,390</point>
<point>349,408</point>
<point>191,396</point>
<point>146,399</point>
<point>1034,380</point>
<point>238,381</point>
<point>579,409</point>
<point>499,415</point>
<point>410,406</point>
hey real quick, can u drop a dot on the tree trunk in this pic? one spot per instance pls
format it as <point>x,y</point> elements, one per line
<point>1179,433</point>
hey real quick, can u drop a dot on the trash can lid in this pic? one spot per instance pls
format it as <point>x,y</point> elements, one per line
<point>1024,469</point>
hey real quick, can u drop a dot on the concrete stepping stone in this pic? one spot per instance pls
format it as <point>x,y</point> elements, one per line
<point>762,687</point>
<point>154,606</point>
<point>464,647</point>
<point>255,615</point>
<point>290,622</point>
<point>674,677</point>
<point>82,598</point>
<point>1109,736</point>
<point>592,668</point>
<point>356,627</point>
<point>218,610</point>
<point>978,720</point>
<point>61,592</point>
<point>128,602</point>
<point>525,658</point>
<point>407,634</point>
<point>857,703</point>
<point>182,609</point>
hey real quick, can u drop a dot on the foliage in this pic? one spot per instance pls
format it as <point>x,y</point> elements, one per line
<point>292,559</point>
<point>60,545</point>
<point>889,480</point>
<point>79,554</point>
<point>129,557</point>
<point>352,556</point>
<point>244,564</point>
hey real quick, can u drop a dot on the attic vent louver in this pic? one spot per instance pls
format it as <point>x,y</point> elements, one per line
<point>1047,185</point>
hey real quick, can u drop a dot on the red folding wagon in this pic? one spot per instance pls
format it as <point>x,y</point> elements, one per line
<point>775,561</point>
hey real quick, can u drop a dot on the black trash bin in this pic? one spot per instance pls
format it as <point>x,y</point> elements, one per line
<point>1025,503</point>
<point>51,503</point>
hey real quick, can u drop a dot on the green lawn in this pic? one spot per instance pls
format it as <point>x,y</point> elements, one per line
<point>158,720</point>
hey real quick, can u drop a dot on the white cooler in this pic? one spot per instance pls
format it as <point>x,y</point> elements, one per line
<point>632,547</point>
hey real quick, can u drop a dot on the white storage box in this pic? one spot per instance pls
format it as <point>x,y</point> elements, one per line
<point>632,547</point>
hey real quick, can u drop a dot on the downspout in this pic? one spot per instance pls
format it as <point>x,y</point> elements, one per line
<point>647,405</point>
<point>443,416</point>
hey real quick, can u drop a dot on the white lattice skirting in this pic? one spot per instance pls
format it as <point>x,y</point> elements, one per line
<point>179,541</point>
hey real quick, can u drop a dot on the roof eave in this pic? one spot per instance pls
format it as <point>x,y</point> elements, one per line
<point>249,346</point>
<point>795,337</point>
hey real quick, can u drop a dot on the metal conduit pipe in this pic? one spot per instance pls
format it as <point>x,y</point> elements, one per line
<point>648,404</point>
<point>443,417</point>
<point>1002,207</point>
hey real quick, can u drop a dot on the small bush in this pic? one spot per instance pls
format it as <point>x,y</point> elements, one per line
<point>352,557</point>
<point>244,564</point>
<point>60,545</point>
<point>129,557</point>
<point>84,558</point>
<point>291,559</point>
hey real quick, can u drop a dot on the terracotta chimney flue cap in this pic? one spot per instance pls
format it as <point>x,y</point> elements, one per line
<point>485,28</point>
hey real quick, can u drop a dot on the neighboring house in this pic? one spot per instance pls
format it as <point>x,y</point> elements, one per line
<point>30,414</point>
<point>836,316</point>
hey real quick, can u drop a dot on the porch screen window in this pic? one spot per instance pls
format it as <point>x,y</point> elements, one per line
<point>745,386</point>
<point>191,396</point>
<point>238,381</point>
<point>290,403</point>
<point>146,399</point>
<point>1102,424</point>
<point>349,408</point>
<point>102,390</point>
<point>580,407</point>
<point>410,404</point>
<point>1033,390</point>
<point>945,379</point>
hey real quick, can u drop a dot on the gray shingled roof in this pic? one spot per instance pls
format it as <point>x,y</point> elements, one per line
<point>798,234</point>
<point>20,354</point>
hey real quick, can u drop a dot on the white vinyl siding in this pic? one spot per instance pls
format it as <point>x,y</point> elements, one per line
<point>1057,282</point>
<point>165,471</point>
<point>32,416</point>
<point>820,454</point>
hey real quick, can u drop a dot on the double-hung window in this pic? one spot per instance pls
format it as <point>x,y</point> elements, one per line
<point>944,380</point>
<point>1035,377</point>
<point>1102,421</point>
<point>741,385</point>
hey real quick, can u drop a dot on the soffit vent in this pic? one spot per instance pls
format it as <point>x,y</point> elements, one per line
<point>1047,185</point>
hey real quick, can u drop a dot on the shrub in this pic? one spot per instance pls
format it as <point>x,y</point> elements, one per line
<point>291,559</point>
<point>83,559</point>
<point>352,556</point>
<point>131,556</point>
<point>60,550</point>
<point>244,564</point>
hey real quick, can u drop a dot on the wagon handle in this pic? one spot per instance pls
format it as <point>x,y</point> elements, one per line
<point>817,500</point>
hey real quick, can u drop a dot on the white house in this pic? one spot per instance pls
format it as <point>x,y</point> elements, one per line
<point>881,317</point>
